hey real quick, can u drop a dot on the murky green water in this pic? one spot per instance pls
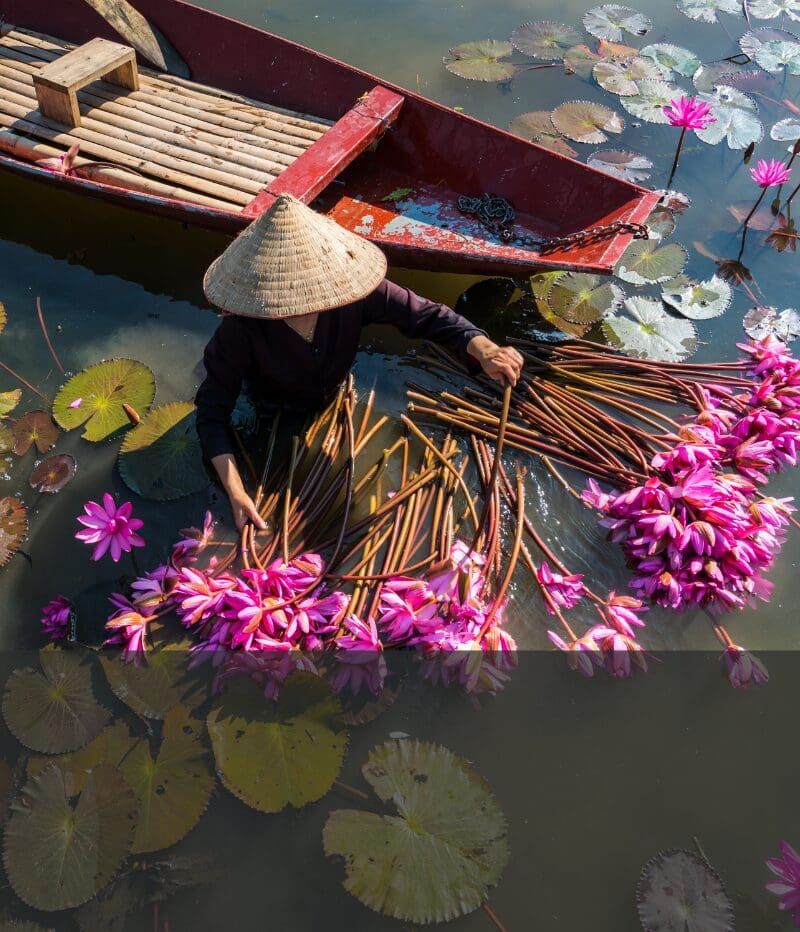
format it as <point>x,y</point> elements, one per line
<point>594,777</point>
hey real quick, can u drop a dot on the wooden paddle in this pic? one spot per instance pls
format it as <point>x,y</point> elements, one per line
<point>146,39</point>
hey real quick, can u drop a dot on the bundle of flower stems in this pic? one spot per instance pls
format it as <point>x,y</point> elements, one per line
<point>363,551</point>
<point>684,500</point>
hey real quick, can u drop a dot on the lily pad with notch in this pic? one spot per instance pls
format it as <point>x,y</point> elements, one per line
<point>650,333</point>
<point>621,77</point>
<point>672,58</point>
<point>585,121</point>
<point>438,857</point>
<point>35,427</point>
<point>481,60</point>
<point>161,457</point>
<point>13,527</point>
<point>761,322</point>
<point>700,300</point>
<point>545,40</point>
<point>95,397</point>
<point>580,60</point>
<point>646,263</point>
<point>737,118</point>
<point>630,166</point>
<point>611,22</point>
<point>583,299</point>
<point>53,473</point>
<point>661,223</point>
<point>9,401</point>
<point>537,127</point>
<point>648,104</point>
<point>707,11</point>
<point>787,130</point>
<point>770,9</point>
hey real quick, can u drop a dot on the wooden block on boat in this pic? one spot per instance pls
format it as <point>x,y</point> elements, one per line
<point>57,83</point>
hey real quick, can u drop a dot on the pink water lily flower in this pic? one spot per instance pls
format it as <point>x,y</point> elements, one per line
<point>109,528</point>
<point>770,174</point>
<point>56,618</point>
<point>130,632</point>
<point>787,869</point>
<point>564,591</point>
<point>742,668</point>
<point>689,113</point>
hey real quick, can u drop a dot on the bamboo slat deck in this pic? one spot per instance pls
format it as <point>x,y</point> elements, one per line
<point>198,143</point>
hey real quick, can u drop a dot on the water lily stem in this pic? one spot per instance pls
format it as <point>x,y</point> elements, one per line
<point>677,156</point>
<point>24,382</point>
<point>747,220</point>
<point>350,791</point>
<point>493,918</point>
<point>46,336</point>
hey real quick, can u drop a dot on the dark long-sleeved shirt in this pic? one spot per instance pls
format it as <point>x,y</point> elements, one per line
<point>282,368</point>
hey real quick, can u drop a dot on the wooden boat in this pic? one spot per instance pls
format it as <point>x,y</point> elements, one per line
<point>262,115</point>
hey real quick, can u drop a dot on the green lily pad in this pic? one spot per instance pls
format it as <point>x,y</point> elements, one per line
<point>769,9</point>
<point>13,527</point>
<point>580,60</point>
<point>35,427</point>
<point>760,322</point>
<point>59,850</point>
<point>661,223</point>
<point>487,298</point>
<point>646,263</point>
<point>673,58</point>
<point>6,439</point>
<point>774,55</point>
<point>545,40</point>
<point>700,300</point>
<point>172,788</point>
<point>437,858</point>
<point>679,892</point>
<point>480,61</point>
<point>537,127</point>
<point>737,118</point>
<point>272,755</point>
<point>161,457</point>
<point>752,41</point>
<point>787,130</point>
<point>707,11</point>
<point>621,77</point>
<point>583,299</point>
<point>53,473</point>
<point>611,21</point>
<point>95,397</point>
<point>650,333</point>
<point>630,166</point>
<point>9,401</point>
<point>649,103</point>
<point>584,121</point>
<point>53,710</point>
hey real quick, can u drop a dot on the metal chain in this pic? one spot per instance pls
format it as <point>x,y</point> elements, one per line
<point>498,215</point>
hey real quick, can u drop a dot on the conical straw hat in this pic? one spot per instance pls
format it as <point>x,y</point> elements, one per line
<point>292,261</point>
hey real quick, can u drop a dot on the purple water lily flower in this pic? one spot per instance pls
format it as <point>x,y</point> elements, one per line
<point>109,528</point>
<point>56,618</point>
<point>787,869</point>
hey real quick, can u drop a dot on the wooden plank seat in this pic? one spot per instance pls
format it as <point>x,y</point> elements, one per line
<point>179,138</point>
<point>58,82</point>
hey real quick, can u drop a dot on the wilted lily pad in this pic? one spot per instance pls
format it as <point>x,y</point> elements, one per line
<point>661,223</point>
<point>95,397</point>
<point>700,300</point>
<point>769,9</point>
<point>53,710</point>
<point>53,473</point>
<point>272,755</point>
<point>620,77</point>
<point>437,858</point>
<point>161,457</point>
<point>60,850</point>
<point>9,401</point>
<point>646,263</point>
<point>583,299</point>
<point>480,60</point>
<point>152,689</point>
<point>673,58</point>
<point>678,892</point>
<point>538,127</point>
<point>630,166</point>
<point>584,121</point>
<point>610,21</point>
<point>650,333</point>
<point>729,73</point>
<point>649,103</point>
<point>546,40</point>
<point>580,60</point>
<point>13,527</point>
<point>737,118</point>
<point>707,11</point>
<point>760,322</point>
<point>35,427</point>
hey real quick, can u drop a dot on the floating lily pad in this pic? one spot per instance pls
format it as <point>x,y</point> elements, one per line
<point>769,9</point>
<point>13,527</point>
<point>557,328</point>
<point>650,333</point>
<point>678,892</point>
<point>784,236</point>
<point>3,317</point>
<point>611,21</point>
<point>752,41</point>
<point>777,54</point>
<point>161,457</point>
<point>95,397</point>
<point>437,858</point>
<point>53,710</point>
<point>538,127</point>
<point>585,121</point>
<point>760,322</point>
<point>480,61</point>
<point>737,118</point>
<point>35,427</point>
<point>274,755</point>
<point>707,11</point>
<point>583,299</point>
<point>646,263</point>
<point>729,73</point>
<point>60,850</point>
<point>673,58</point>
<point>661,223</point>
<point>580,60</point>
<point>9,401</point>
<point>53,473</point>
<point>630,166</point>
<point>6,439</point>
<point>172,788</point>
<point>545,40</point>
<point>787,130</point>
<point>649,103</point>
<point>152,689</point>
<point>700,300</point>
<point>620,77</point>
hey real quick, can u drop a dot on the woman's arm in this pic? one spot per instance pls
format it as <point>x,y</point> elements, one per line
<point>242,505</point>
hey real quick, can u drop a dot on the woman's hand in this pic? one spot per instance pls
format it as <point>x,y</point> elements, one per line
<point>501,363</point>
<point>245,511</point>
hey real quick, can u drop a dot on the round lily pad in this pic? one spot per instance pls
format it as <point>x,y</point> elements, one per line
<point>9,401</point>
<point>611,21</point>
<point>53,473</point>
<point>480,61</point>
<point>161,457</point>
<point>630,166</point>
<point>53,710</point>
<point>737,118</point>
<point>272,755</point>
<point>61,850</point>
<point>770,9</point>
<point>673,58</point>
<point>35,427</point>
<point>707,11</point>
<point>152,689</point>
<point>537,127</point>
<point>700,300</point>
<point>679,892</point>
<point>546,40</point>
<point>95,397</point>
<point>621,77</point>
<point>585,121</point>
<point>787,130</point>
<point>661,223</point>
<point>650,333</point>
<point>13,527</point>
<point>646,263</point>
<point>648,104</point>
<point>775,54</point>
<point>580,60</point>
<point>752,42</point>
<point>583,299</point>
<point>760,322</point>
<point>437,858</point>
